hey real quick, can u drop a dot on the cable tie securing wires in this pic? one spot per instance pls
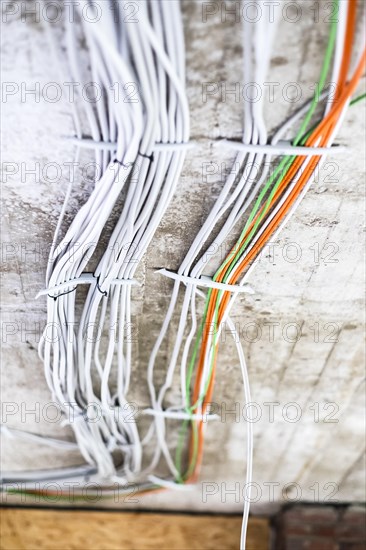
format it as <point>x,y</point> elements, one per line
<point>280,148</point>
<point>149,157</point>
<point>84,279</point>
<point>87,143</point>
<point>206,282</point>
<point>174,146</point>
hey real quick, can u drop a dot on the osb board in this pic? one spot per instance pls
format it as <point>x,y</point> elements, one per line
<point>78,530</point>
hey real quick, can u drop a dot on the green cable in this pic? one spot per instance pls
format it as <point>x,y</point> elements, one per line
<point>358,99</point>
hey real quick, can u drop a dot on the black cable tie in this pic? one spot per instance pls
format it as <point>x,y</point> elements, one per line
<point>104,292</point>
<point>150,157</point>
<point>63,294</point>
<point>116,161</point>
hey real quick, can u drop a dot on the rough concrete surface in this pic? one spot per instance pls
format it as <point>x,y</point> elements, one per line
<point>309,285</point>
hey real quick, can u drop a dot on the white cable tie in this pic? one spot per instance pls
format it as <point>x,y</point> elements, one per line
<point>206,282</point>
<point>174,146</point>
<point>281,148</point>
<point>88,143</point>
<point>171,484</point>
<point>85,279</point>
<point>180,415</point>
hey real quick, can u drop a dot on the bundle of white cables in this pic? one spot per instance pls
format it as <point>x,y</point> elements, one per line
<point>151,136</point>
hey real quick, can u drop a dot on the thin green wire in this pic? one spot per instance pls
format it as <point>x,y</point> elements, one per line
<point>358,99</point>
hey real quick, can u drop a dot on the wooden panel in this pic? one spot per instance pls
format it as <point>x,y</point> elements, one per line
<point>24,529</point>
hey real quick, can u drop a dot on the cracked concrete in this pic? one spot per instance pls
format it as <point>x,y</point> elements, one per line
<point>302,330</point>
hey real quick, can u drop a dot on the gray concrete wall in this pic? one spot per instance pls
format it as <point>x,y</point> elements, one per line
<point>318,298</point>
